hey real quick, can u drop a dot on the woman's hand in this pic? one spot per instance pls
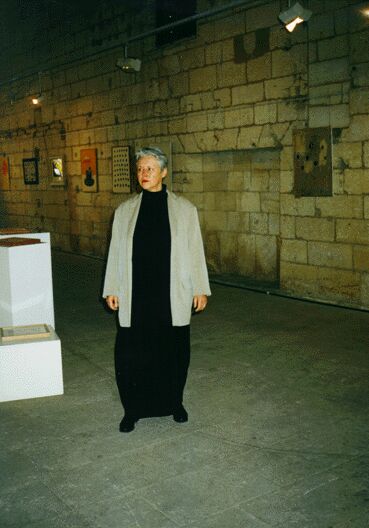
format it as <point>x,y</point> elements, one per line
<point>200,302</point>
<point>113,302</point>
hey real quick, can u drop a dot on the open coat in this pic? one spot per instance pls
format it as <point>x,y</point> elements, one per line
<point>188,272</point>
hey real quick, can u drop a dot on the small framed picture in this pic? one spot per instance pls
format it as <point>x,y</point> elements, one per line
<point>30,171</point>
<point>89,170</point>
<point>57,172</point>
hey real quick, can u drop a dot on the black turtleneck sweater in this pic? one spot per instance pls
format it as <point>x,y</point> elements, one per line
<point>151,262</point>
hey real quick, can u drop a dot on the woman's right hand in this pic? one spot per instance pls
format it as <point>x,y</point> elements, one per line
<point>113,302</point>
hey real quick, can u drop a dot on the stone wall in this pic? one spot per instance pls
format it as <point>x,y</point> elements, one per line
<point>228,101</point>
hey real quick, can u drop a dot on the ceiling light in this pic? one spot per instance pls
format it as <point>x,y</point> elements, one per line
<point>294,15</point>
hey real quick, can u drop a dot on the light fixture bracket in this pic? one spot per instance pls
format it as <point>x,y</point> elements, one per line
<point>294,15</point>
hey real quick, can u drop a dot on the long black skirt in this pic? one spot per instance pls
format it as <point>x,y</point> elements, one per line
<point>151,367</point>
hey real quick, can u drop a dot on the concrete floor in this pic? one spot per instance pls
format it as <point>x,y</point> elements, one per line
<point>278,432</point>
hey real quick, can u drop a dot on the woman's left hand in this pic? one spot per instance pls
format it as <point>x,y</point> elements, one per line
<point>200,302</point>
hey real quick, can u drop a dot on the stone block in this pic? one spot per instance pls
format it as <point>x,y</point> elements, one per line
<point>214,53</point>
<point>366,207</point>
<point>333,48</point>
<point>336,116</point>
<point>215,181</point>
<point>175,126</point>
<point>259,223</point>
<point>231,74</point>
<point>222,28</point>
<point>359,101</point>
<point>270,202</point>
<point>212,251</point>
<point>353,231</point>
<point>243,116</point>
<point>259,68</point>
<point>321,26</point>
<point>225,201</point>
<point>329,71</point>
<point>289,62</point>
<point>361,258</point>
<point>262,16</point>
<point>360,74</point>
<point>193,58</point>
<point>320,282</point>
<point>229,252</point>
<point>235,181</point>
<point>259,180</point>
<point>238,222</point>
<point>274,224</point>
<point>266,257</point>
<point>170,64</point>
<point>356,181</point>
<point>249,93</point>
<point>215,120</point>
<point>279,88</point>
<point>193,183</point>
<point>366,154</point>
<point>178,85</point>
<point>364,298</point>
<point>222,97</point>
<point>189,103</point>
<point>196,121</point>
<point>248,202</point>
<point>330,254</point>
<point>358,129</point>
<point>315,229</point>
<point>249,137</point>
<point>265,113</point>
<point>294,251</point>
<point>287,181</point>
<point>348,155</point>
<point>342,206</point>
<point>202,79</point>
<point>297,206</point>
<point>209,201</point>
<point>246,254</point>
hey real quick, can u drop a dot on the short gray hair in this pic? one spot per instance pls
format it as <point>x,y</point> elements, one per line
<point>155,153</point>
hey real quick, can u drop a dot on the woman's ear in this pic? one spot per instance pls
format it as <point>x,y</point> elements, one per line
<point>164,172</point>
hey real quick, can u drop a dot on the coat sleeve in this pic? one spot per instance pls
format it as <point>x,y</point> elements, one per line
<point>199,272</point>
<point>111,282</point>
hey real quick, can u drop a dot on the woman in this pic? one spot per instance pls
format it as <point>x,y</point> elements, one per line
<point>156,273</point>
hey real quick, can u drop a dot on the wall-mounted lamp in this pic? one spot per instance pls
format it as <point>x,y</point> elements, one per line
<point>129,64</point>
<point>37,99</point>
<point>294,15</point>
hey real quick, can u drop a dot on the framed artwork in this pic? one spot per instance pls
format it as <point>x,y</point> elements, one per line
<point>4,174</point>
<point>89,170</point>
<point>57,171</point>
<point>121,170</point>
<point>30,171</point>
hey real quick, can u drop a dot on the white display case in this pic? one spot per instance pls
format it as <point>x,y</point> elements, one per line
<point>26,290</point>
<point>30,368</point>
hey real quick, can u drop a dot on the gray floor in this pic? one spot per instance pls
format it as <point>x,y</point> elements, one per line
<point>277,396</point>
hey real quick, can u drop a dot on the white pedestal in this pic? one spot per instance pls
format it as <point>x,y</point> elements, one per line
<point>26,291</point>
<point>31,369</point>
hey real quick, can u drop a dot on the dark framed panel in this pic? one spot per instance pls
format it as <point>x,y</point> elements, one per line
<point>30,171</point>
<point>313,161</point>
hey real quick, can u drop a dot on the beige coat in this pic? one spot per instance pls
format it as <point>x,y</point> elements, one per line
<point>188,275</point>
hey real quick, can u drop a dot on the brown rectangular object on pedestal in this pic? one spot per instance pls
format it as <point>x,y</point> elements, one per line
<point>16,333</point>
<point>15,241</point>
<point>13,230</point>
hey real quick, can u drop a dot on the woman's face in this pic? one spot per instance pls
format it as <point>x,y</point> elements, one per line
<point>149,174</point>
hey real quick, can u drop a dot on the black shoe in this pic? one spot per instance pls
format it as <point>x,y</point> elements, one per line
<point>180,415</point>
<point>127,424</point>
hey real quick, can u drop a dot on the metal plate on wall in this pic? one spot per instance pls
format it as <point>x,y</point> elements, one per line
<point>313,161</point>
<point>121,170</point>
